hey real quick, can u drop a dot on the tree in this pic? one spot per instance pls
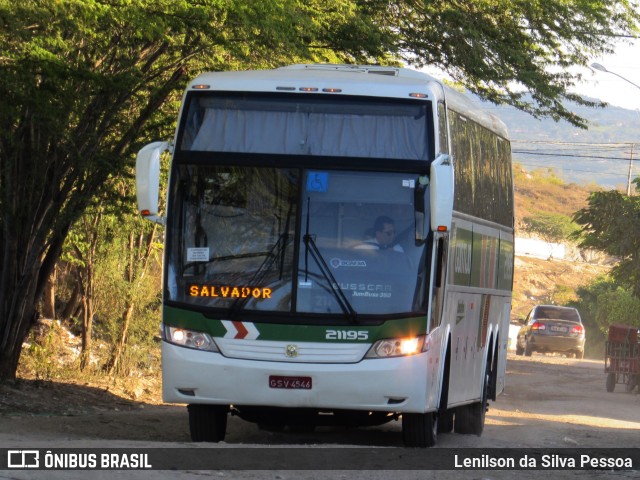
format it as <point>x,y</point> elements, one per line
<point>504,49</point>
<point>84,83</point>
<point>603,303</point>
<point>551,227</point>
<point>611,223</point>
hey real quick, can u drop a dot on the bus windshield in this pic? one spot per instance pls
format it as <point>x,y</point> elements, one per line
<point>247,238</point>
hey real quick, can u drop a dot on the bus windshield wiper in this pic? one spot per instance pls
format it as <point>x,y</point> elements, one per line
<point>265,267</point>
<point>341,298</point>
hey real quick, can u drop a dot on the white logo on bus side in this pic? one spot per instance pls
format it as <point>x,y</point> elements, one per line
<point>347,335</point>
<point>462,258</point>
<point>508,265</point>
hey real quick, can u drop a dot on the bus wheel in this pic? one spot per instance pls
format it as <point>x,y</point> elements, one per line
<point>469,419</point>
<point>208,423</point>
<point>611,382</point>
<point>445,421</point>
<point>420,429</point>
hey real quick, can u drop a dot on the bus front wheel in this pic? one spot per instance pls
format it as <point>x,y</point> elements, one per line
<point>208,423</point>
<point>420,429</point>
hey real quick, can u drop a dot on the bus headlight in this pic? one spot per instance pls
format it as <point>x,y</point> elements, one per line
<point>398,347</point>
<point>189,338</point>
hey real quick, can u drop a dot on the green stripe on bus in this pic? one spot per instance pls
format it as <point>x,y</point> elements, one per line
<point>403,327</point>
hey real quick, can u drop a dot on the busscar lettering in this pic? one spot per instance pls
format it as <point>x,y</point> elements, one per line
<point>229,291</point>
<point>462,258</point>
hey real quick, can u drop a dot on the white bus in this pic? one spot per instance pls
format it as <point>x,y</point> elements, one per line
<point>339,250</point>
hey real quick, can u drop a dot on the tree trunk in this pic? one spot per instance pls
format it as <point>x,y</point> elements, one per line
<point>10,354</point>
<point>134,278</point>
<point>22,277</point>
<point>49,297</point>
<point>71,308</point>
<point>114,361</point>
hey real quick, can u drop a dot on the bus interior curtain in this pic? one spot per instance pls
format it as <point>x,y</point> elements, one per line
<point>321,134</point>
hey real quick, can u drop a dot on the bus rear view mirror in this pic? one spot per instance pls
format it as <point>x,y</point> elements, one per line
<point>441,195</point>
<point>148,180</point>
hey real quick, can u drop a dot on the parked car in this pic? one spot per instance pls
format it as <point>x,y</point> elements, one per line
<point>550,328</point>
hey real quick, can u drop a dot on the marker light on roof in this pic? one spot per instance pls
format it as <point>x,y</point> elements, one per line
<point>331,90</point>
<point>286,89</point>
<point>308,89</point>
<point>201,87</point>
<point>418,95</point>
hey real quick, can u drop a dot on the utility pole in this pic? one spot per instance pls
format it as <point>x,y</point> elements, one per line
<point>602,68</point>
<point>630,167</point>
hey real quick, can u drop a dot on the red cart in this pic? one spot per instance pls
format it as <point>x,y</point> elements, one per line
<point>622,357</point>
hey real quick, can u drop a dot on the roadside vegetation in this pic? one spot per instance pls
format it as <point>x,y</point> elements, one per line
<point>103,301</point>
<point>597,227</point>
<point>86,83</point>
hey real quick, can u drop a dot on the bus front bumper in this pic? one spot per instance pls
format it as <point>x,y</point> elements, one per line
<point>397,384</point>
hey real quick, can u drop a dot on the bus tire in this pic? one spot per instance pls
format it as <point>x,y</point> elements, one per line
<point>445,416</point>
<point>611,382</point>
<point>419,430</point>
<point>445,421</point>
<point>207,423</point>
<point>469,419</point>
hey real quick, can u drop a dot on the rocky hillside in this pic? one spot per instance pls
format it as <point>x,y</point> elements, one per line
<point>544,281</point>
<point>539,281</point>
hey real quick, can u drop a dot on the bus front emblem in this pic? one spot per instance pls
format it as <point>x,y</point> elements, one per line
<point>291,351</point>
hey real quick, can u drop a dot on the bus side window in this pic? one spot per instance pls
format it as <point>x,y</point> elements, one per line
<point>443,138</point>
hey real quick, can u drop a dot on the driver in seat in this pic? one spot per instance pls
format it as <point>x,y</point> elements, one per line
<point>384,229</point>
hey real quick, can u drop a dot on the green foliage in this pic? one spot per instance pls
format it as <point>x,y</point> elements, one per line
<point>495,48</point>
<point>47,356</point>
<point>562,295</point>
<point>611,223</point>
<point>84,83</point>
<point>551,227</point>
<point>603,303</point>
<point>544,176</point>
<point>547,175</point>
<point>126,272</point>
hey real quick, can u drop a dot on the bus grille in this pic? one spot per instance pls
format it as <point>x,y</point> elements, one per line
<point>293,352</point>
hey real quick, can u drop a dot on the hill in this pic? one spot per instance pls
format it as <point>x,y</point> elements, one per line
<point>543,191</point>
<point>548,281</point>
<point>600,154</point>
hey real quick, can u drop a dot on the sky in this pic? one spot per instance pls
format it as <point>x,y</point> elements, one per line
<point>602,85</point>
<point>610,88</point>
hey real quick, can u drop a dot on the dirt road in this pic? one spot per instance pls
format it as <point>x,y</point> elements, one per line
<point>549,402</point>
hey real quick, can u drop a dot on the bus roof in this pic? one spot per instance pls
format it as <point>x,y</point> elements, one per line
<point>360,80</point>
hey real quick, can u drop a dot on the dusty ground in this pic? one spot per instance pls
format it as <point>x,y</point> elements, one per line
<point>550,401</point>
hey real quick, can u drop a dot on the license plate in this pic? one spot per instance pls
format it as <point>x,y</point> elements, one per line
<point>559,329</point>
<point>294,383</point>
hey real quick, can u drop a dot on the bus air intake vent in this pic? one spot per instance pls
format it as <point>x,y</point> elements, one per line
<point>390,73</point>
